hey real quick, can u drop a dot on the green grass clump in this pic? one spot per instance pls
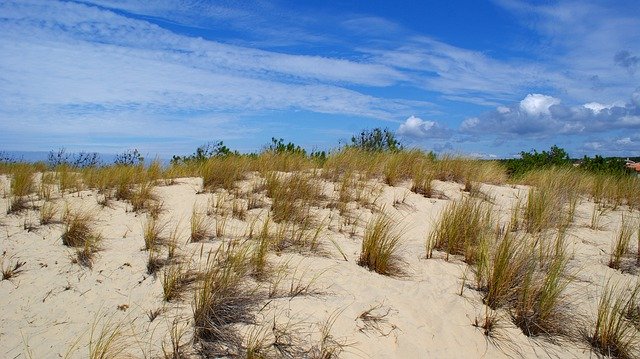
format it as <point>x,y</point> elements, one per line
<point>621,243</point>
<point>462,228</point>
<point>614,335</point>
<point>380,245</point>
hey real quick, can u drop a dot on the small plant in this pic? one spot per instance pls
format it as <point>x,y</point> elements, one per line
<point>12,269</point>
<point>596,215</point>
<point>507,269</point>
<point>380,247</point>
<point>539,306</point>
<point>154,261</point>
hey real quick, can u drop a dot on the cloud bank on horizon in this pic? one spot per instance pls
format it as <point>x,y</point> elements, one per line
<point>165,76</point>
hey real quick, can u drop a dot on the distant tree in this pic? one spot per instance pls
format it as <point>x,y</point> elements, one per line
<point>81,159</point>
<point>377,139</point>
<point>278,146</point>
<point>528,161</point>
<point>202,153</point>
<point>130,157</point>
<point>611,165</point>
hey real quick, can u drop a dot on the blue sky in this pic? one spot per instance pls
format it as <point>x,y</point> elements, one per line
<point>485,78</point>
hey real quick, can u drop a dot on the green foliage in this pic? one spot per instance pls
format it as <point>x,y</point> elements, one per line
<point>528,161</point>
<point>278,146</point>
<point>379,140</point>
<point>610,165</point>
<point>207,150</point>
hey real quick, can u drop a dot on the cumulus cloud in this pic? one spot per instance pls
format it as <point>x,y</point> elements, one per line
<point>543,115</point>
<point>536,104</point>
<point>418,128</point>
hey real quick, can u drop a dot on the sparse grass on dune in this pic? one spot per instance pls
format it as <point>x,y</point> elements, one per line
<point>292,196</point>
<point>621,243</point>
<point>541,303</point>
<point>612,334</point>
<point>48,211</point>
<point>462,227</point>
<point>152,232</point>
<point>79,233</point>
<point>223,298</point>
<point>200,226</point>
<point>21,186</point>
<point>508,267</point>
<point>222,172</point>
<point>380,246</point>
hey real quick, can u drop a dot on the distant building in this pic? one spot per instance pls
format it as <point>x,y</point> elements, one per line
<point>633,165</point>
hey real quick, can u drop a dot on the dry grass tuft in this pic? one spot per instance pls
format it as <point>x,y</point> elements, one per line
<point>380,246</point>
<point>200,227</point>
<point>79,233</point>
<point>223,299</point>
<point>12,269</point>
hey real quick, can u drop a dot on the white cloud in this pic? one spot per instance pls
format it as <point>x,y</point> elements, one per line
<point>537,104</point>
<point>419,128</point>
<point>543,115</point>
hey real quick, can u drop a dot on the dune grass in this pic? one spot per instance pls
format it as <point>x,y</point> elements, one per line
<point>21,186</point>
<point>621,243</point>
<point>200,226</point>
<point>461,228</point>
<point>223,298</point>
<point>612,334</point>
<point>79,232</point>
<point>380,246</point>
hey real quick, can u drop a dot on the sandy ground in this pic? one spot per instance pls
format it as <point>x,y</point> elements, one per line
<point>51,308</point>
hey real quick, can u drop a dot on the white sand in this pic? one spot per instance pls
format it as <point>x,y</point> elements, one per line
<point>49,309</point>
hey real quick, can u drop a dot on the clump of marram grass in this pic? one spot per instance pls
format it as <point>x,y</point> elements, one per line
<point>612,334</point>
<point>21,186</point>
<point>152,232</point>
<point>200,227</point>
<point>540,307</point>
<point>48,211</point>
<point>507,268</point>
<point>223,299</point>
<point>380,246</point>
<point>79,233</point>
<point>292,196</point>
<point>422,179</point>
<point>222,172</point>
<point>110,341</point>
<point>175,279</point>
<point>621,243</point>
<point>461,229</point>
<point>542,209</point>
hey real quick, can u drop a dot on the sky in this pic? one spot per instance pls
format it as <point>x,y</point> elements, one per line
<point>477,78</point>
